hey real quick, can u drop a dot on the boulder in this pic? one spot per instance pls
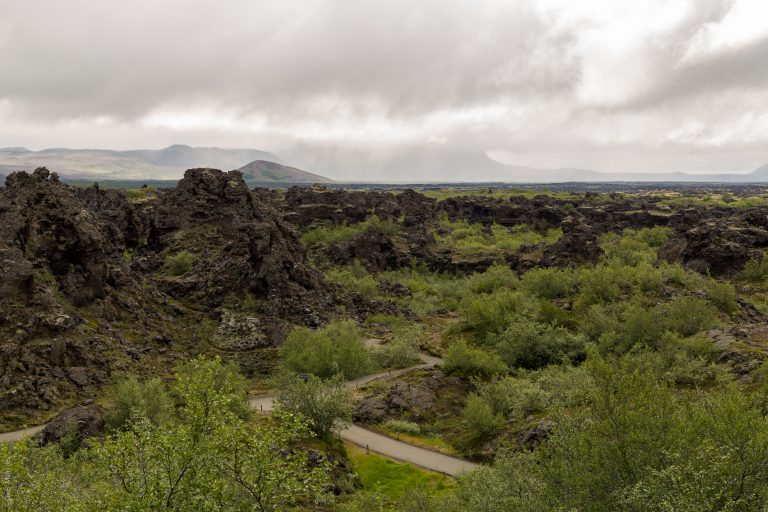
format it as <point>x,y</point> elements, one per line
<point>83,420</point>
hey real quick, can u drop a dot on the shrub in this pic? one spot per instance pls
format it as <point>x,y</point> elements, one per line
<point>179,264</point>
<point>326,404</point>
<point>488,314</point>
<point>356,278</point>
<point>689,361</point>
<point>551,313</point>
<point>402,426</point>
<point>402,351</point>
<point>649,279</point>
<point>722,295</point>
<point>599,285</point>
<point>461,359</point>
<point>529,344</point>
<point>755,269</point>
<point>637,324</point>
<point>203,381</point>
<point>479,417</point>
<point>548,283</point>
<point>564,385</point>
<point>495,277</point>
<point>512,397</point>
<point>689,315</point>
<point>335,348</point>
<point>654,237</point>
<point>629,251</point>
<point>598,320</point>
<point>131,397</point>
<point>465,238</point>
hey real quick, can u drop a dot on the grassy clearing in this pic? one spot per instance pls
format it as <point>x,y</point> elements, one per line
<point>391,478</point>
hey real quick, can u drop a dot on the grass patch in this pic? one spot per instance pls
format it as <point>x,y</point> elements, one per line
<point>467,239</point>
<point>392,478</point>
<point>326,235</point>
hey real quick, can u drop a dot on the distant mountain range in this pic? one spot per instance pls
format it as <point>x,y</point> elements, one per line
<point>105,164</point>
<point>264,167</point>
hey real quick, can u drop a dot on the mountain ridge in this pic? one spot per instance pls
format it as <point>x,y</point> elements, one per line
<point>266,171</point>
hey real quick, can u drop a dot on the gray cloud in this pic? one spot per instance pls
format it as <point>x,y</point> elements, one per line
<point>341,86</point>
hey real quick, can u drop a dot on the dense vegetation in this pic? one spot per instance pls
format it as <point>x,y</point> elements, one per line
<point>205,453</point>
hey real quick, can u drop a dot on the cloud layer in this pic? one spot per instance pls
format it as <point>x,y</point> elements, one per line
<point>338,86</point>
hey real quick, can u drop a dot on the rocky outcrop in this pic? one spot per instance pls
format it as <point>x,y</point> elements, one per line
<point>309,206</point>
<point>375,249</point>
<point>80,422</point>
<point>46,230</point>
<point>83,289</point>
<point>242,246</point>
<point>579,244</point>
<point>415,399</point>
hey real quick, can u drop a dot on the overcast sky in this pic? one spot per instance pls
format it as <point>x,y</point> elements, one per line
<point>608,85</point>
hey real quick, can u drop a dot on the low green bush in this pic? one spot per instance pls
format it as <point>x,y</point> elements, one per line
<point>479,418</point>
<point>689,315</point>
<point>402,350</point>
<point>649,279</point>
<point>549,283</point>
<point>755,270</point>
<point>131,397</point>
<point>356,278</point>
<point>462,359</point>
<point>600,284</point>
<point>179,264</point>
<point>337,348</point>
<point>326,235</point>
<point>326,404</point>
<point>513,398</point>
<point>490,314</point>
<point>495,277</point>
<point>722,295</point>
<point>529,344</point>
<point>402,426</point>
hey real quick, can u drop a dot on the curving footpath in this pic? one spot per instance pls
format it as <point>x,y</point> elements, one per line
<point>355,434</point>
<point>385,445</point>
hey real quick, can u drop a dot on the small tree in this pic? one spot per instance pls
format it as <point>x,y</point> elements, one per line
<point>131,397</point>
<point>326,404</point>
<point>335,348</point>
<point>479,417</point>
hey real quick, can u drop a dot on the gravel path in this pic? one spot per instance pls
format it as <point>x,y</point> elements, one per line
<point>355,434</point>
